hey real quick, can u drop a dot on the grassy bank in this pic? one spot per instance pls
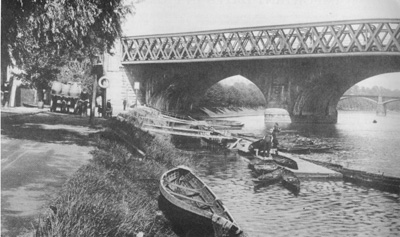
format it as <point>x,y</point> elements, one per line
<point>116,193</point>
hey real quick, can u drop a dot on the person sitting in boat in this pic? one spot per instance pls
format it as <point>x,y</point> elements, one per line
<point>263,146</point>
<point>275,130</point>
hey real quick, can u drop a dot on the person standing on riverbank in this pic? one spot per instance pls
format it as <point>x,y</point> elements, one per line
<point>275,130</point>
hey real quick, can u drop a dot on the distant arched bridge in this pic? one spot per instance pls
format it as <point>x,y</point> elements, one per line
<point>304,68</point>
<point>380,101</point>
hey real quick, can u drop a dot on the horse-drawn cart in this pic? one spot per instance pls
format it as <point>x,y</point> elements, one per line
<point>65,97</point>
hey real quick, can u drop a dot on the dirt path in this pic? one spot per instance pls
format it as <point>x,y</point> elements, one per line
<point>38,154</point>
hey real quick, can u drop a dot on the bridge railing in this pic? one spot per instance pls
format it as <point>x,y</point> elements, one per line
<point>302,40</point>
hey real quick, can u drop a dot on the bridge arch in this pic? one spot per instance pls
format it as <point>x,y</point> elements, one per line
<point>236,91</point>
<point>312,87</point>
<point>175,70</point>
<point>390,101</point>
<point>364,98</point>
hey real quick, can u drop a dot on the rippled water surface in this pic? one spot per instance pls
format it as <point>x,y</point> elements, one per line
<point>323,208</point>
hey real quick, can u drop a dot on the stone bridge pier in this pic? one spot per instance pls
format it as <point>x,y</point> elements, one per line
<point>380,107</point>
<point>308,88</point>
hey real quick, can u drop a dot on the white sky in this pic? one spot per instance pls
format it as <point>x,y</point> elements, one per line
<point>389,81</point>
<point>177,16</point>
<point>171,16</point>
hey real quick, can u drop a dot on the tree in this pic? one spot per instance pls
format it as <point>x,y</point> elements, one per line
<point>39,35</point>
<point>249,95</point>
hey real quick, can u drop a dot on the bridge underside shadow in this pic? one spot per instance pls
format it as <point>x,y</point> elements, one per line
<point>309,88</point>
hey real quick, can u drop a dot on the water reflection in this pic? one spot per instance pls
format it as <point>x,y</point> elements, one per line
<point>323,208</point>
<point>361,144</point>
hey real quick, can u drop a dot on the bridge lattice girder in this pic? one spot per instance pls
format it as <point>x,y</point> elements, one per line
<point>362,37</point>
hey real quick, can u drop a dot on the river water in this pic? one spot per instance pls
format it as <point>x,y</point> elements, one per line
<point>323,208</point>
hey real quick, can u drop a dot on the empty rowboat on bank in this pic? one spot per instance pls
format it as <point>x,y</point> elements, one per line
<point>192,207</point>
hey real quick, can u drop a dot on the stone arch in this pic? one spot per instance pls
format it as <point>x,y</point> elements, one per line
<point>390,101</point>
<point>314,85</point>
<point>316,97</point>
<point>232,80</point>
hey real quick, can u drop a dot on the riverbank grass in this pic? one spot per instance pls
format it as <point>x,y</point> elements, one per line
<point>116,193</point>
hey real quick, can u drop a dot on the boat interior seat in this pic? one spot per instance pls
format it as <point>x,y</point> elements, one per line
<point>187,190</point>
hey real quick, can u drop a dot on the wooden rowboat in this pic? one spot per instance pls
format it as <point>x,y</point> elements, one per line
<point>224,124</point>
<point>363,178</point>
<point>269,178</point>
<point>296,150</point>
<point>305,149</point>
<point>280,160</point>
<point>285,161</point>
<point>192,207</point>
<point>261,167</point>
<point>291,182</point>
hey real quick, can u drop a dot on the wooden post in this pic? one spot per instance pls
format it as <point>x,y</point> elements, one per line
<point>93,106</point>
<point>104,102</point>
<point>104,90</point>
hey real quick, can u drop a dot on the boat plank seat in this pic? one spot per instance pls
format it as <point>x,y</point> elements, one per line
<point>195,191</point>
<point>194,200</point>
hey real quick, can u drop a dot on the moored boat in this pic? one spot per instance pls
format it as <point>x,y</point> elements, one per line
<point>245,153</point>
<point>191,205</point>
<point>367,179</point>
<point>261,167</point>
<point>269,178</point>
<point>293,149</point>
<point>285,161</point>
<point>305,149</point>
<point>225,124</point>
<point>279,159</point>
<point>291,182</point>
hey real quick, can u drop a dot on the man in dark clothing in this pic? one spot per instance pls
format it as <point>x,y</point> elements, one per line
<point>275,132</point>
<point>5,93</point>
<point>263,146</point>
<point>124,102</point>
<point>84,102</point>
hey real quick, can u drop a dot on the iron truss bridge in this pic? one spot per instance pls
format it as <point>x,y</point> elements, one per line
<point>358,37</point>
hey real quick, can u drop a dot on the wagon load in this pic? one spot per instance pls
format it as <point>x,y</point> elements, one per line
<point>65,89</point>
<point>56,88</point>
<point>75,90</point>
<point>64,96</point>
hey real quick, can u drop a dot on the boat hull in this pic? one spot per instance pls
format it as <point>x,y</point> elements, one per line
<point>263,167</point>
<point>291,182</point>
<point>192,207</point>
<point>370,180</point>
<point>184,221</point>
<point>296,150</point>
<point>269,178</point>
<point>285,161</point>
<point>225,124</point>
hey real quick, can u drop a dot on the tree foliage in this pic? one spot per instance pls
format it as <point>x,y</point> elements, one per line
<point>66,26</point>
<point>237,95</point>
<point>40,36</point>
